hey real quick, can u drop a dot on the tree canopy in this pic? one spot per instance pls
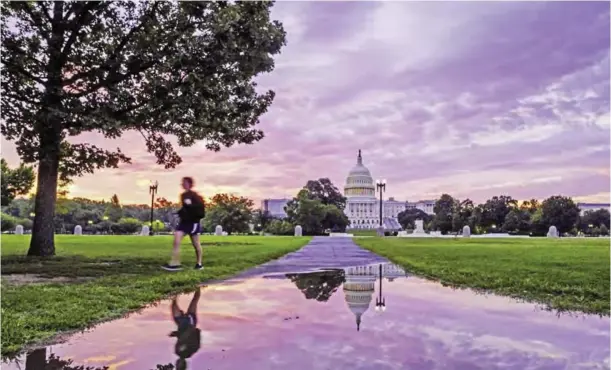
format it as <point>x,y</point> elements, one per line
<point>184,69</point>
<point>18,181</point>
<point>233,213</point>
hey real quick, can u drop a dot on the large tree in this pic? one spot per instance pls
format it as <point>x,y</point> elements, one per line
<point>496,209</point>
<point>18,181</point>
<point>157,68</point>
<point>233,213</point>
<point>444,209</point>
<point>324,190</point>
<point>559,211</point>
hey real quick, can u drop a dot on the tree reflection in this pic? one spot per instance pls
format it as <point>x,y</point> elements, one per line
<point>318,285</point>
<point>37,360</point>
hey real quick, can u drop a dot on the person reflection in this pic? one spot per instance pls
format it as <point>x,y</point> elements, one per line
<point>187,334</point>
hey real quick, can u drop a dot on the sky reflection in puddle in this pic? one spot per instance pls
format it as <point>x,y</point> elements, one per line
<point>267,323</point>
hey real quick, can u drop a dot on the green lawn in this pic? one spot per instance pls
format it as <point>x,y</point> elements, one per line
<point>123,273</point>
<point>368,232</point>
<point>563,274</point>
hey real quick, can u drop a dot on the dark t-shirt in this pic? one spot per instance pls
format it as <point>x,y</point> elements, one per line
<point>192,206</point>
<point>189,341</point>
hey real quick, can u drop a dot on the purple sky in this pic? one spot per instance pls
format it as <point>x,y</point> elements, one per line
<point>470,98</point>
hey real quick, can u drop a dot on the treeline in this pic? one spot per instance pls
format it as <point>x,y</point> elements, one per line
<point>318,208</point>
<point>235,214</point>
<point>505,214</point>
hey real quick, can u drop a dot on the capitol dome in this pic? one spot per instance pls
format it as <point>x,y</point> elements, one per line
<point>358,290</point>
<point>359,182</point>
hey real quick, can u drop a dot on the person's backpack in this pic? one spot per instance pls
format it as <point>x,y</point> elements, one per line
<point>200,207</point>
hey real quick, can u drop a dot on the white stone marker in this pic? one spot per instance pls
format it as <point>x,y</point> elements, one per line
<point>466,231</point>
<point>145,230</point>
<point>298,230</point>
<point>552,232</point>
<point>19,230</point>
<point>218,231</point>
<point>419,227</point>
<point>78,230</point>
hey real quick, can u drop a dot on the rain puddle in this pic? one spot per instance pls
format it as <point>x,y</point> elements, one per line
<point>366,317</point>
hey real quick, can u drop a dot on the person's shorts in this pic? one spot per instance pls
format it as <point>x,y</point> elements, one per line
<point>185,320</point>
<point>189,228</point>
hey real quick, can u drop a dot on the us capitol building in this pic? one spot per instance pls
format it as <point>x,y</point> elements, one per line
<point>362,204</point>
<point>363,207</point>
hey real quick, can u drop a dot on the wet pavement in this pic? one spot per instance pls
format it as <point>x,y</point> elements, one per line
<point>370,315</point>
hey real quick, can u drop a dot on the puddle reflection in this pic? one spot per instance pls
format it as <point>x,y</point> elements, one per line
<point>365,317</point>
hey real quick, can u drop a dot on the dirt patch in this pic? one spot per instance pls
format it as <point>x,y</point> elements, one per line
<point>27,279</point>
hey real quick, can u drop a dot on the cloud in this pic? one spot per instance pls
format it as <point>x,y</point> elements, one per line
<point>473,99</point>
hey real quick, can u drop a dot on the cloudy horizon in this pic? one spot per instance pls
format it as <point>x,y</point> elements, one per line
<point>474,99</point>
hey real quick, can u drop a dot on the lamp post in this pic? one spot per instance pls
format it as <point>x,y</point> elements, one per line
<point>380,187</point>
<point>105,218</point>
<point>152,191</point>
<point>380,301</point>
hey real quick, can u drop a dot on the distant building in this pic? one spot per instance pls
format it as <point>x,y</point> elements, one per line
<point>583,207</point>
<point>275,207</point>
<point>363,206</point>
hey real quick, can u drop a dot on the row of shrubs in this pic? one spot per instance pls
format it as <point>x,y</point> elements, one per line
<point>123,226</point>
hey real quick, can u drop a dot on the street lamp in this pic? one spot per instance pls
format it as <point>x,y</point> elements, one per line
<point>106,219</point>
<point>380,301</point>
<point>152,190</point>
<point>380,187</point>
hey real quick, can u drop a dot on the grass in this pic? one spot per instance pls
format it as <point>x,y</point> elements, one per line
<point>563,275</point>
<point>123,273</point>
<point>363,232</point>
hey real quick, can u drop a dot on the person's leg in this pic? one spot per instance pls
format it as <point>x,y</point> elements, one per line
<point>198,248</point>
<point>194,301</point>
<point>176,311</point>
<point>178,236</point>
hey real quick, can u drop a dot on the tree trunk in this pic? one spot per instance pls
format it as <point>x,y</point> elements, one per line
<point>42,242</point>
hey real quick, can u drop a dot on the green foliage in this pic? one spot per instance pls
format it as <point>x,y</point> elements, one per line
<point>126,226</point>
<point>495,209</point>
<point>114,212</point>
<point>327,193</point>
<point>596,218</point>
<point>9,222</point>
<point>280,227</point>
<point>119,274</point>
<point>317,207</point>
<point>185,69</point>
<point>18,181</point>
<point>517,221</point>
<point>564,274</point>
<point>444,209</point>
<point>559,211</point>
<point>231,212</point>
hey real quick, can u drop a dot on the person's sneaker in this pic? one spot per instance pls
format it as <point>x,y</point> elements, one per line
<point>169,267</point>
<point>199,267</point>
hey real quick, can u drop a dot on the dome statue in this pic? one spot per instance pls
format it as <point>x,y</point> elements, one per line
<point>359,182</point>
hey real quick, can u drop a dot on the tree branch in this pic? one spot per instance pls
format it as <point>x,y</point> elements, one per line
<point>37,20</point>
<point>80,21</point>
<point>124,41</point>
<point>21,70</point>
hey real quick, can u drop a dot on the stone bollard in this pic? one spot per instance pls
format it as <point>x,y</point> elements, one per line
<point>552,232</point>
<point>298,230</point>
<point>466,231</point>
<point>78,230</point>
<point>19,230</point>
<point>218,231</point>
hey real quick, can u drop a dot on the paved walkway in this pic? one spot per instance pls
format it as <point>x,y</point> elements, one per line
<point>320,253</point>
